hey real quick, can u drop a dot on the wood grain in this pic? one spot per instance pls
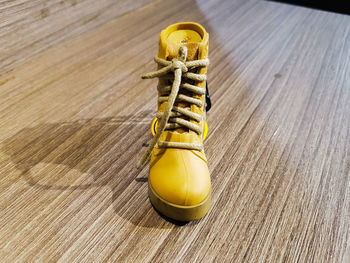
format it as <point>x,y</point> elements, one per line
<point>30,27</point>
<point>74,116</point>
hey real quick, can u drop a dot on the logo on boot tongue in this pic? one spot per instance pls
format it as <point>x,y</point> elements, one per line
<point>185,40</point>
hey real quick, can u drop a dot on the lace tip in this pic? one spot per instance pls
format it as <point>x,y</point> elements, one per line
<point>139,164</point>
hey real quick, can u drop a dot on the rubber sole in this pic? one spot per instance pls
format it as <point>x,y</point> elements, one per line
<point>179,212</point>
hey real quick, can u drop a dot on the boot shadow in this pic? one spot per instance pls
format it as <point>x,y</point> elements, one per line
<point>87,154</point>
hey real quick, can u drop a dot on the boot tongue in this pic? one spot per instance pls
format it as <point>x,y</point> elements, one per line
<point>192,54</point>
<point>192,50</point>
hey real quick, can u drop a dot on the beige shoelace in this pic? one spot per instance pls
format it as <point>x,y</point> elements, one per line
<point>173,116</point>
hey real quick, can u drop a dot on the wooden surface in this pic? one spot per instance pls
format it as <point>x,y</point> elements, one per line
<point>75,114</point>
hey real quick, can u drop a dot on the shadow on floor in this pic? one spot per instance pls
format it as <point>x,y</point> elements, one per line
<point>87,155</point>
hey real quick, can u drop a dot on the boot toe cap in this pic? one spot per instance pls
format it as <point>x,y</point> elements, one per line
<point>180,177</point>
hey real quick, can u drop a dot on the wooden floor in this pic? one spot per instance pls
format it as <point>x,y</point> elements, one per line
<point>75,116</point>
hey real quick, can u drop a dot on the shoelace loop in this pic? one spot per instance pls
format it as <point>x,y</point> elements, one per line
<point>180,67</point>
<point>177,64</point>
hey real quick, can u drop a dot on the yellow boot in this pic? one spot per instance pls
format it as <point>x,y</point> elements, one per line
<point>179,180</point>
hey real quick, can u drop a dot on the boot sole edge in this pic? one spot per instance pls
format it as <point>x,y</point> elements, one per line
<point>179,212</point>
